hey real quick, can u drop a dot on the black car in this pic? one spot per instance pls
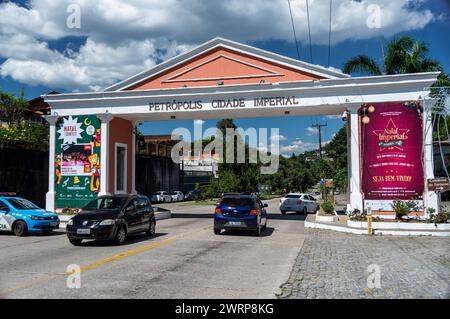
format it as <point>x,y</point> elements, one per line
<point>112,217</point>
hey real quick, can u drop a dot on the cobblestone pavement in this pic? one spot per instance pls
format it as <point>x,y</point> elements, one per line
<point>334,265</point>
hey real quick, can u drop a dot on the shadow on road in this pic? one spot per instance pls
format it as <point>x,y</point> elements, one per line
<point>187,215</point>
<point>278,216</point>
<point>54,233</point>
<point>268,232</point>
<point>288,216</point>
<point>132,239</point>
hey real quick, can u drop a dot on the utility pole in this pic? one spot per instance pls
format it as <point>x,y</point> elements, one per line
<point>319,128</point>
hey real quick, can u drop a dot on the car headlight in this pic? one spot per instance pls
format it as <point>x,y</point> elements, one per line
<point>107,222</point>
<point>70,222</point>
<point>36,217</point>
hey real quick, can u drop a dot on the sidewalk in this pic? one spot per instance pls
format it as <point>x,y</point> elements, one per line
<point>334,265</point>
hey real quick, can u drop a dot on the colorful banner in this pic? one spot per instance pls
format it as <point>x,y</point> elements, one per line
<point>391,148</point>
<point>77,162</point>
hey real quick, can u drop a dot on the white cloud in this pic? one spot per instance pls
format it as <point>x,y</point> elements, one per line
<point>123,38</point>
<point>298,146</point>
<point>311,131</point>
<point>334,117</point>
<point>278,137</point>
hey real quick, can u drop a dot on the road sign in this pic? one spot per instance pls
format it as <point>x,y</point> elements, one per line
<point>439,184</point>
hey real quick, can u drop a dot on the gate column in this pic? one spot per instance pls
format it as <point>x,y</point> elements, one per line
<point>431,199</point>
<point>354,159</point>
<point>104,153</point>
<point>50,196</point>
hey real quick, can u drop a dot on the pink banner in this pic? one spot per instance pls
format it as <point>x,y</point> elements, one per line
<point>391,148</point>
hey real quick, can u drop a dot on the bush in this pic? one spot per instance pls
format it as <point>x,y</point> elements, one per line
<point>357,215</point>
<point>70,211</point>
<point>402,208</point>
<point>36,135</point>
<point>327,207</point>
<point>438,218</point>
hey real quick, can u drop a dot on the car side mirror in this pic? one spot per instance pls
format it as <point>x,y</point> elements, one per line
<point>4,209</point>
<point>266,205</point>
<point>129,209</point>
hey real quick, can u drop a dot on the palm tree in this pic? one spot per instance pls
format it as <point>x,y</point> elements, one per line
<point>403,55</point>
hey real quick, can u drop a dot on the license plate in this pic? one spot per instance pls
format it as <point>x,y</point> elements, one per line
<point>234,223</point>
<point>54,224</point>
<point>83,231</point>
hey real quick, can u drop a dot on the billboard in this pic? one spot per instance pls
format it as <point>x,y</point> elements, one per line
<point>391,152</point>
<point>77,162</point>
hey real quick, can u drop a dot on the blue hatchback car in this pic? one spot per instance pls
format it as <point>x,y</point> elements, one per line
<point>238,212</point>
<point>21,216</point>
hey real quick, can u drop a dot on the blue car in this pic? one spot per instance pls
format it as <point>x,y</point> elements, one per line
<point>21,216</point>
<point>239,212</point>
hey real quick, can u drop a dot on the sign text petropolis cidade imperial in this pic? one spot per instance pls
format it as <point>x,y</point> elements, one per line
<point>176,105</point>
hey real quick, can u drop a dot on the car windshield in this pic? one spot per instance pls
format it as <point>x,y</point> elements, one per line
<point>106,203</point>
<point>293,196</point>
<point>237,201</point>
<point>20,203</point>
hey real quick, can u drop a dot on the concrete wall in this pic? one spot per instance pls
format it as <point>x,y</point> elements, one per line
<point>24,172</point>
<point>120,131</point>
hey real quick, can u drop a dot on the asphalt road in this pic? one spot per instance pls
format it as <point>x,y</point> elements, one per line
<point>184,260</point>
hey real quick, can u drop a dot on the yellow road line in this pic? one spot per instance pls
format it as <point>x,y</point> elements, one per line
<point>91,266</point>
<point>124,255</point>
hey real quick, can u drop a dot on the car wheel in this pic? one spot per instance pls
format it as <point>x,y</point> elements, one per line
<point>264,227</point>
<point>20,228</point>
<point>217,231</point>
<point>258,231</point>
<point>283,212</point>
<point>317,209</point>
<point>75,242</point>
<point>120,236</point>
<point>152,229</point>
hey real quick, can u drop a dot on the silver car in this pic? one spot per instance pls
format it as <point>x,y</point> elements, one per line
<point>299,203</point>
<point>161,197</point>
<point>177,196</point>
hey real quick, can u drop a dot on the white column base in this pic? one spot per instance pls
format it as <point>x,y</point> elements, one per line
<point>50,201</point>
<point>356,201</point>
<point>432,201</point>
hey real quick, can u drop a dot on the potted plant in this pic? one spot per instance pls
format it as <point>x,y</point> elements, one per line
<point>326,213</point>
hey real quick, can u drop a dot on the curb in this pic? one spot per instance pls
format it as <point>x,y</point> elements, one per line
<point>391,232</point>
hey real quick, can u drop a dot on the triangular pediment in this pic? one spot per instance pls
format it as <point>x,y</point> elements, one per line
<point>222,67</point>
<point>224,62</point>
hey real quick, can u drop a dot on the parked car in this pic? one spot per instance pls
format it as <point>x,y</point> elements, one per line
<point>193,195</point>
<point>237,212</point>
<point>161,197</point>
<point>177,196</point>
<point>112,217</point>
<point>299,203</point>
<point>21,216</point>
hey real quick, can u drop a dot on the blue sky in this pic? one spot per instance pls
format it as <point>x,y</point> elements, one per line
<point>39,53</point>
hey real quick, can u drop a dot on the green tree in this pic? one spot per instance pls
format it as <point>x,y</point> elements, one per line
<point>12,107</point>
<point>403,55</point>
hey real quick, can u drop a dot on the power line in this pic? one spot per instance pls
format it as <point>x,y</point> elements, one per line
<point>309,33</point>
<point>293,29</point>
<point>329,34</point>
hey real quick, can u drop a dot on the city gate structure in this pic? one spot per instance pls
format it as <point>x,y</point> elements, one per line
<point>390,155</point>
